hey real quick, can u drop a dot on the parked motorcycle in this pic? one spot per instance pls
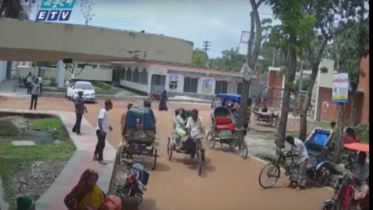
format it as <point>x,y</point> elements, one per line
<point>135,183</point>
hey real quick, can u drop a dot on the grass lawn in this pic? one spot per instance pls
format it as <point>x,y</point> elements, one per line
<point>11,156</point>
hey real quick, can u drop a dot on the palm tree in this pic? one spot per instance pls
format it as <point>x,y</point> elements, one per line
<point>11,9</point>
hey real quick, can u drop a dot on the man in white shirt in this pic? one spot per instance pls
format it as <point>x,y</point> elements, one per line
<point>194,126</point>
<point>298,177</point>
<point>102,128</point>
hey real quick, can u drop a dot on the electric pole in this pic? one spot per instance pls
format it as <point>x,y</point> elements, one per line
<point>206,45</point>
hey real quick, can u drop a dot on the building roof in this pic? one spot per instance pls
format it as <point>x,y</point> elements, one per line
<point>212,70</point>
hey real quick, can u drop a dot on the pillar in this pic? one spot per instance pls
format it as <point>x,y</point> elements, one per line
<point>60,74</point>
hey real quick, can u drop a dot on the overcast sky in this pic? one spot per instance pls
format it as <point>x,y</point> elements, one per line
<point>217,21</point>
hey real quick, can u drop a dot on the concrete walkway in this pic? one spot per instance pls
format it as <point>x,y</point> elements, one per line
<point>81,160</point>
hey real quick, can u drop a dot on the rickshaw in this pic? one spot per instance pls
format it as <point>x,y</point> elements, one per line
<point>193,146</point>
<point>140,136</point>
<point>224,129</point>
<point>318,168</point>
<point>344,189</point>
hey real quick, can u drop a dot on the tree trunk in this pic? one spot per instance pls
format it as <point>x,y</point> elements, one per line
<point>243,103</point>
<point>353,110</point>
<point>307,102</point>
<point>291,62</point>
<point>338,136</point>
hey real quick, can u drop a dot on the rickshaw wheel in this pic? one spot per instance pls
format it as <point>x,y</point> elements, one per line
<point>169,148</point>
<point>321,176</point>
<point>210,139</point>
<point>155,155</point>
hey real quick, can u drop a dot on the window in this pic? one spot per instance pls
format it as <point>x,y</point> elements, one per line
<point>129,75</point>
<point>123,74</point>
<point>173,79</point>
<point>144,77</point>
<point>156,79</point>
<point>84,86</point>
<point>136,76</point>
<point>221,87</point>
<point>239,88</point>
<point>81,65</point>
<point>190,85</point>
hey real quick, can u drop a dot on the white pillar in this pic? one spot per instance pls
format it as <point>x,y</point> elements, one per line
<point>60,74</point>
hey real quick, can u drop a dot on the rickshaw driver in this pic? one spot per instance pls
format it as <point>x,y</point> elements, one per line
<point>194,127</point>
<point>361,171</point>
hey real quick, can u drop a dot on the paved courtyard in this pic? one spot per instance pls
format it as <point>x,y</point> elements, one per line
<point>228,182</point>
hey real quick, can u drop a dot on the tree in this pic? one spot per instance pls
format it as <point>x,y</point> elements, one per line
<point>230,60</point>
<point>324,16</point>
<point>290,37</point>
<point>254,44</point>
<point>197,57</point>
<point>86,7</point>
<point>11,9</point>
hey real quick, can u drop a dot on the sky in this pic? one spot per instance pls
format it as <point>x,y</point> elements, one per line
<point>218,21</point>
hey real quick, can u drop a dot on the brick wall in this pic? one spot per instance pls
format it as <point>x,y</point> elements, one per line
<point>328,109</point>
<point>274,89</point>
<point>364,86</point>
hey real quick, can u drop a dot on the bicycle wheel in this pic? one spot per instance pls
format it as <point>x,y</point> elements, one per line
<point>269,171</point>
<point>210,139</point>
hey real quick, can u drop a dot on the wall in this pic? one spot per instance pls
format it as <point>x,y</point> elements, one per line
<point>328,109</point>
<point>326,79</point>
<point>3,66</point>
<point>143,88</point>
<point>86,43</point>
<point>364,86</point>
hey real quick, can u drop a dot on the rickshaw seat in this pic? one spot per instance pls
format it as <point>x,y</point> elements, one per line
<point>224,123</point>
<point>225,127</point>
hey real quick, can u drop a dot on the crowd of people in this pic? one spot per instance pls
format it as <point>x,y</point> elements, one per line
<point>87,195</point>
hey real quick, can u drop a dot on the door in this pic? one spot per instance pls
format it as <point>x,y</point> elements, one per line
<point>117,74</point>
<point>158,83</point>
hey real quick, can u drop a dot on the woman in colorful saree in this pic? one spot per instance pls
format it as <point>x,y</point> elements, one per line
<point>86,194</point>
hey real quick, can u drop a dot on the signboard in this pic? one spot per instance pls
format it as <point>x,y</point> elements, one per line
<point>246,72</point>
<point>55,10</point>
<point>340,88</point>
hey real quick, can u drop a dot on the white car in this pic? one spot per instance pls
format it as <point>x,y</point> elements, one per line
<point>89,93</point>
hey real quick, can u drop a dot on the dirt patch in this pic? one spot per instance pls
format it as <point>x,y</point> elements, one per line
<point>34,178</point>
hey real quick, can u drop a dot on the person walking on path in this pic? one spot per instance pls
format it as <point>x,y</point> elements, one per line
<point>28,83</point>
<point>35,92</point>
<point>102,128</point>
<point>79,110</point>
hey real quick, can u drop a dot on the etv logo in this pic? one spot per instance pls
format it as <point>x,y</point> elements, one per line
<point>55,10</point>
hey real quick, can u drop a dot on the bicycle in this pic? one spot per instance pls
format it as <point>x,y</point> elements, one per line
<point>274,168</point>
<point>240,143</point>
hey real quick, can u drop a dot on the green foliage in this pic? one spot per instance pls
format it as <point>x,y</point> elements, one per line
<point>102,85</point>
<point>197,57</point>
<point>305,84</point>
<point>230,60</point>
<point>12,9</point>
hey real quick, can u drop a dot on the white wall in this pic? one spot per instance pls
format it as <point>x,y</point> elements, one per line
<point>2,70</point>
<point>326,79</point>
<point>132,85</point>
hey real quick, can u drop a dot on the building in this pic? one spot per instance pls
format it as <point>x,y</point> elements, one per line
<point>148,77</point>
<point>322,92</point>
<point>57,41</point>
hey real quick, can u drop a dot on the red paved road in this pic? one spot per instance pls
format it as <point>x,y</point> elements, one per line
<point>228,183</point>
